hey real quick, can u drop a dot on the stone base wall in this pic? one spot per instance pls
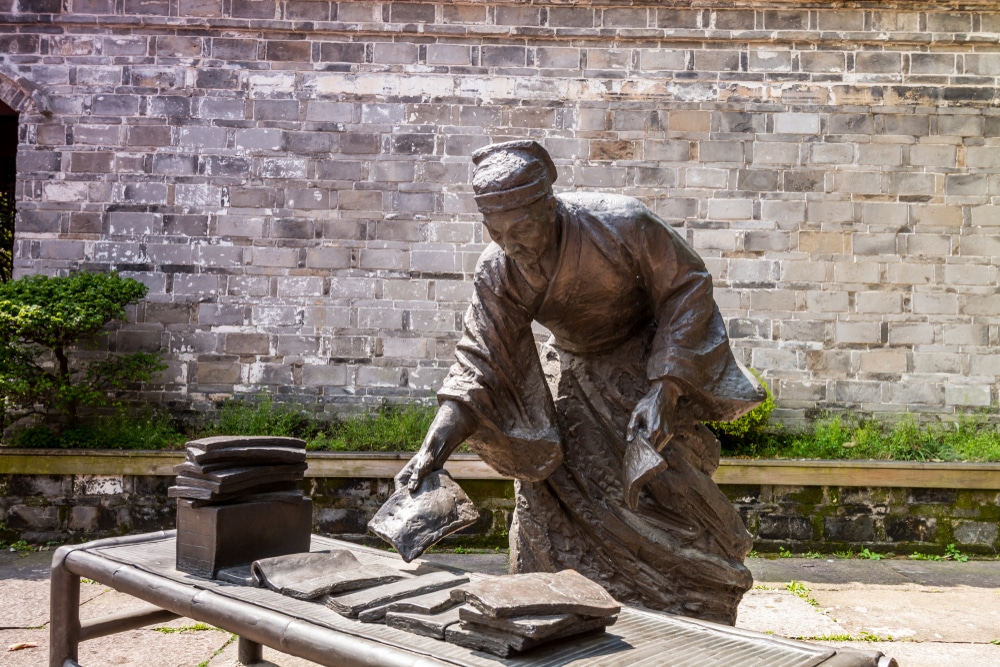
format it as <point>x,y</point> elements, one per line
<point>39,508</point>
<point>290,178</point>
<point>899,520</point>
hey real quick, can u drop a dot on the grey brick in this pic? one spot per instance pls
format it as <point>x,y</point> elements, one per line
<point>406,12</point>
<point>342,52</point>
<point>571,17</point>
<point>285,50</point>
<point>255,9</point>
<point>226,165</point>
<point>221,109</point>
<point>276,109</point>
<point>260,139</point>
<point>503,56</point>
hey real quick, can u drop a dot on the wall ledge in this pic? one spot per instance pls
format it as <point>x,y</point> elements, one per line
<point>385,465</point>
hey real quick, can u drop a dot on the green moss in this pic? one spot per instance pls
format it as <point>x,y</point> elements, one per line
<point>808,496</point>
<point>736,492</point>
<point>989,512</point>
<point>482,490</point>
<point>965,500</point>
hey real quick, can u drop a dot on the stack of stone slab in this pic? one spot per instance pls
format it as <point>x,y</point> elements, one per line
<point>510,614</point>
<point>238,501</point>
<point>308,576</point>
<point>371,604</point>
<point>223,469</point>
<point>361,591</point>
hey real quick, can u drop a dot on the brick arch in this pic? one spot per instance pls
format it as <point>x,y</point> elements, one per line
<point>22,95</point>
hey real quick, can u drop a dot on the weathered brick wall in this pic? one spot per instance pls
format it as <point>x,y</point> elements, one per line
<point>291,178</point>
<point>39,508</point>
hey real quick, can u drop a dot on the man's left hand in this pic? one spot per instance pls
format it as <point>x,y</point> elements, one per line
<point>653,416</point>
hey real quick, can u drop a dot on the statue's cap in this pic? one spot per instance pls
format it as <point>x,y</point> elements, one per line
<point>511,175</point>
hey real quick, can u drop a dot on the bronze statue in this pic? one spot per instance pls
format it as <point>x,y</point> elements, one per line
<point>602,430</point>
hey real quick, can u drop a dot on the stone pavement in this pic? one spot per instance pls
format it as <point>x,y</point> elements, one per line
<point>937,614</point>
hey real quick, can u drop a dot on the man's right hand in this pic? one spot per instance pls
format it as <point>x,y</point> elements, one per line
<point>452,424</point>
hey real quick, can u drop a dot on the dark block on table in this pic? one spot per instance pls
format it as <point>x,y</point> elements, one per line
<point>219,536</point>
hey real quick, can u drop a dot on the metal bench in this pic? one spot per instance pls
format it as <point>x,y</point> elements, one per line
<point>143,566</point>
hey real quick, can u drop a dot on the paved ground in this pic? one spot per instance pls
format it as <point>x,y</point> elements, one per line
<point>923,613</point>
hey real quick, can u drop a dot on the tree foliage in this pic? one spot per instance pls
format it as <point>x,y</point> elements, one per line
<point>751,431</point>
<point>44,323</point>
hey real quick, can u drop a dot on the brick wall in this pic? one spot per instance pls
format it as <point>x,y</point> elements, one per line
<point>291,178</point>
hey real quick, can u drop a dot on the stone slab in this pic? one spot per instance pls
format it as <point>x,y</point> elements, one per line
<point>428,625</point>
<point>412,522</point>
<point>352,604</point>
<point>243,455</point>
<point>429,603</point>
<point>220,442</point>
<point>529,627</point>
<point>308,575</point>
<point>502,644</point>
<point>246,479</point>
<point>538,593</point>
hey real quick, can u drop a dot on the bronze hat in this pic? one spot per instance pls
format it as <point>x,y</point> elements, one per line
<point>511,175</point>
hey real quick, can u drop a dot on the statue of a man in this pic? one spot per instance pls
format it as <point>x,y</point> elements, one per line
<point>638,354</point>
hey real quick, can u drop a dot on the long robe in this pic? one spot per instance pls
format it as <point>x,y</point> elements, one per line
<point>629,303</point>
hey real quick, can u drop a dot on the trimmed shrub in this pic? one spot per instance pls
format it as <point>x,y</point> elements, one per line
<point>45,324</point>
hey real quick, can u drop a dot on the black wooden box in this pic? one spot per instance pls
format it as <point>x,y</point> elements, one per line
<point>220,536</point>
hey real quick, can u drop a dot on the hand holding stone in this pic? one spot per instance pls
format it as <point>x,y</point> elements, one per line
<point>653,416</point>
<point>452,424</point>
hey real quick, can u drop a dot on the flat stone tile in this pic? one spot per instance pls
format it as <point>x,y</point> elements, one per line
<point>28,657</point>
<point>956,614</point>
<point>153,649</point>
<point>782,613</point>
<point>32,599</point>
<point>129,649</point>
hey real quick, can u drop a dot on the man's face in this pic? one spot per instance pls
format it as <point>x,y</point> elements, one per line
<point>524,233</point>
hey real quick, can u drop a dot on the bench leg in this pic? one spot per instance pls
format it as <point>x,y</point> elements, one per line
<point>248,652</point>
<point>64,613</point>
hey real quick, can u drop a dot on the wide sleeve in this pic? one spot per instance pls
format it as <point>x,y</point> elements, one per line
<point>498,375</point>
<point>691,345</point>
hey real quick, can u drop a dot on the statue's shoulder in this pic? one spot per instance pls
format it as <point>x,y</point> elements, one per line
<point>623,216</point>
<point>492,259</point>
<point>605,206</point>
